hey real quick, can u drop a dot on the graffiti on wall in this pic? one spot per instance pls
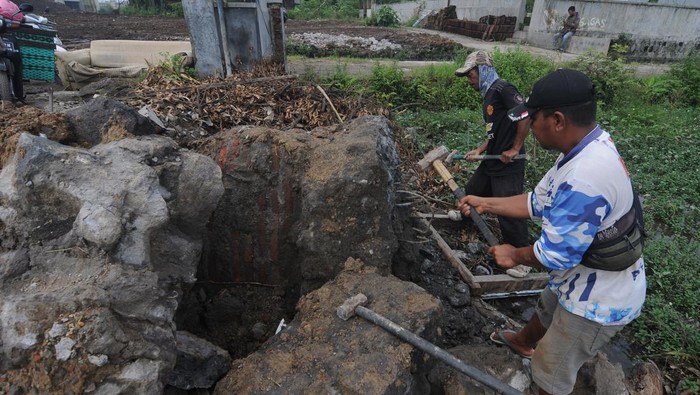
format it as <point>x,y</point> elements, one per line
<point>593,23</point>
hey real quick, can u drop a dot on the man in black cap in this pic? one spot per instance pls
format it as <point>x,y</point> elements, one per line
<point>504,138</point>
<point>587,205</point>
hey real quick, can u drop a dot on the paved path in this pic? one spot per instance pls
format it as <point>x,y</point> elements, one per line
<point>328,66</point>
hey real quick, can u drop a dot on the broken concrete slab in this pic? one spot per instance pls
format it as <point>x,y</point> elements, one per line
<point>97,249</point>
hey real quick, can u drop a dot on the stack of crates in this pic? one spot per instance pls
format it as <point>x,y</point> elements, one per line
<point>37,49</point>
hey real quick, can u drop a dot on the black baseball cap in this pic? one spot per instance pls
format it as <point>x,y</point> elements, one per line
<point>560,88</point>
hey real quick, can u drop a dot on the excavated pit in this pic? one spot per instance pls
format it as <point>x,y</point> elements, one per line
<point>296,205</point>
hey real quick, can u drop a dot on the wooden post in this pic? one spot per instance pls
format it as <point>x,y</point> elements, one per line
<point>466,275</point>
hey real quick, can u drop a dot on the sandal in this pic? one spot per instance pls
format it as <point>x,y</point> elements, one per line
<point>498,338</point>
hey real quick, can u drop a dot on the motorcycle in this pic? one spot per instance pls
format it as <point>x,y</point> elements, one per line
<point>11,83</point>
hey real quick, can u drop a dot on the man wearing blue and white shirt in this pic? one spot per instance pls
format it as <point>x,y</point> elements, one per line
<point>586,194</point>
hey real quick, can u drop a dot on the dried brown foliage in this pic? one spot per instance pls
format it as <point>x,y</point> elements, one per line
<point>264,96</point>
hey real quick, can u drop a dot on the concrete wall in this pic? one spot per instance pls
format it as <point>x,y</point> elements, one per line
<point>248,30</point>
<point>693,3</point>
<point>466,9</point>
<point>656,32</point>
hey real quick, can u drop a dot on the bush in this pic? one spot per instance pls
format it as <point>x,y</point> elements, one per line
<point>176,9</point>
<point>385,16</point>
<point>173,10</point>
<point>520,68</point>
<point>325,9</point>
<point>438,89</point>
<point>687,73</point>
<point>460,129</point>
<point>388,86</point>
<point>340,79</point>
<point>609,76</point>
<point>662,89</point>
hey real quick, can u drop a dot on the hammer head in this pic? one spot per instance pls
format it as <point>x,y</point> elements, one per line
<point>347,309</point>
<point>440,152</point>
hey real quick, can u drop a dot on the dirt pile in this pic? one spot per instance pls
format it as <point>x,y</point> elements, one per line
<point>324,38</point>
<point>14,120</point>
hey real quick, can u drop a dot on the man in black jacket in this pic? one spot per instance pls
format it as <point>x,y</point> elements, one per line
<point>504,177</point>
<point>570,24</point>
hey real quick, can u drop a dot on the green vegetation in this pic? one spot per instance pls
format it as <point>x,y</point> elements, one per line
<point>385,16</point>
<point>150,9</point>
<point>325,9</point>
<point>654,121</point>
<point>172,67</point>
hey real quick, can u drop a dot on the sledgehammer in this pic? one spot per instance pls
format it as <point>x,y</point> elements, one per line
<point>435,158</point>
<point>454,155</point>
<point>354,305</point>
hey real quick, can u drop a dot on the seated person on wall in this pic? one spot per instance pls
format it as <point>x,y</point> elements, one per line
<point>561,39</point>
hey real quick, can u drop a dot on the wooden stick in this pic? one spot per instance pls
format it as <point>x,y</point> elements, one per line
<point>466,275</point>
<point>330,102</point>
<point>489,312</point>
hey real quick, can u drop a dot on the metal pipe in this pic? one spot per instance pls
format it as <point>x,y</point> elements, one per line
<point>514,294</point>
<point>436,351</point>
<point>490,157</point>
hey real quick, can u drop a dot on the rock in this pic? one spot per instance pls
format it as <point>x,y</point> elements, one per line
<point>320,353</point>
<point>259,331</point>
<point>599,376</point>
<point>645,379</point>
<point>200,364</point>
<point>461,287</point>
<point>103,119</point>
<point>426,265</point>
<point>98,360</point>
<point>110,257</point>
<point>13,263</point>
<point>459,300</point>
<point>58,330</point>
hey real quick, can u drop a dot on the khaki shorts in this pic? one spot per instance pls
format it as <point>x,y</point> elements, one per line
<point>570,341</point>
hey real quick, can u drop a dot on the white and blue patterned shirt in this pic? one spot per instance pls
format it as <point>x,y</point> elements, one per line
<point>587,190</point>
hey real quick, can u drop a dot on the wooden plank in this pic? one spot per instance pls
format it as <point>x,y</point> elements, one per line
<point>466,275</point>
<point>506,283</point>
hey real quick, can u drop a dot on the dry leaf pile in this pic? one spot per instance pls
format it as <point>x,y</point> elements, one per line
<point>264,96</point>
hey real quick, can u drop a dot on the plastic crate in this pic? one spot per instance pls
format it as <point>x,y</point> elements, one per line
<point>38,36</point>
<point>36,47</point>
<point>38,63</point>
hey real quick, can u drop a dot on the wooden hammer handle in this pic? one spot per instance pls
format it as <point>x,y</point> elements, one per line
<point>459,194</point>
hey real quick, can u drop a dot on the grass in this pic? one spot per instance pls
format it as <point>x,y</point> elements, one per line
<point>655,127</point>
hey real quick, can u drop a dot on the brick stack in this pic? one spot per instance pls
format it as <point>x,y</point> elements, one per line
<point>438,21</point>
<point>501,27</point>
